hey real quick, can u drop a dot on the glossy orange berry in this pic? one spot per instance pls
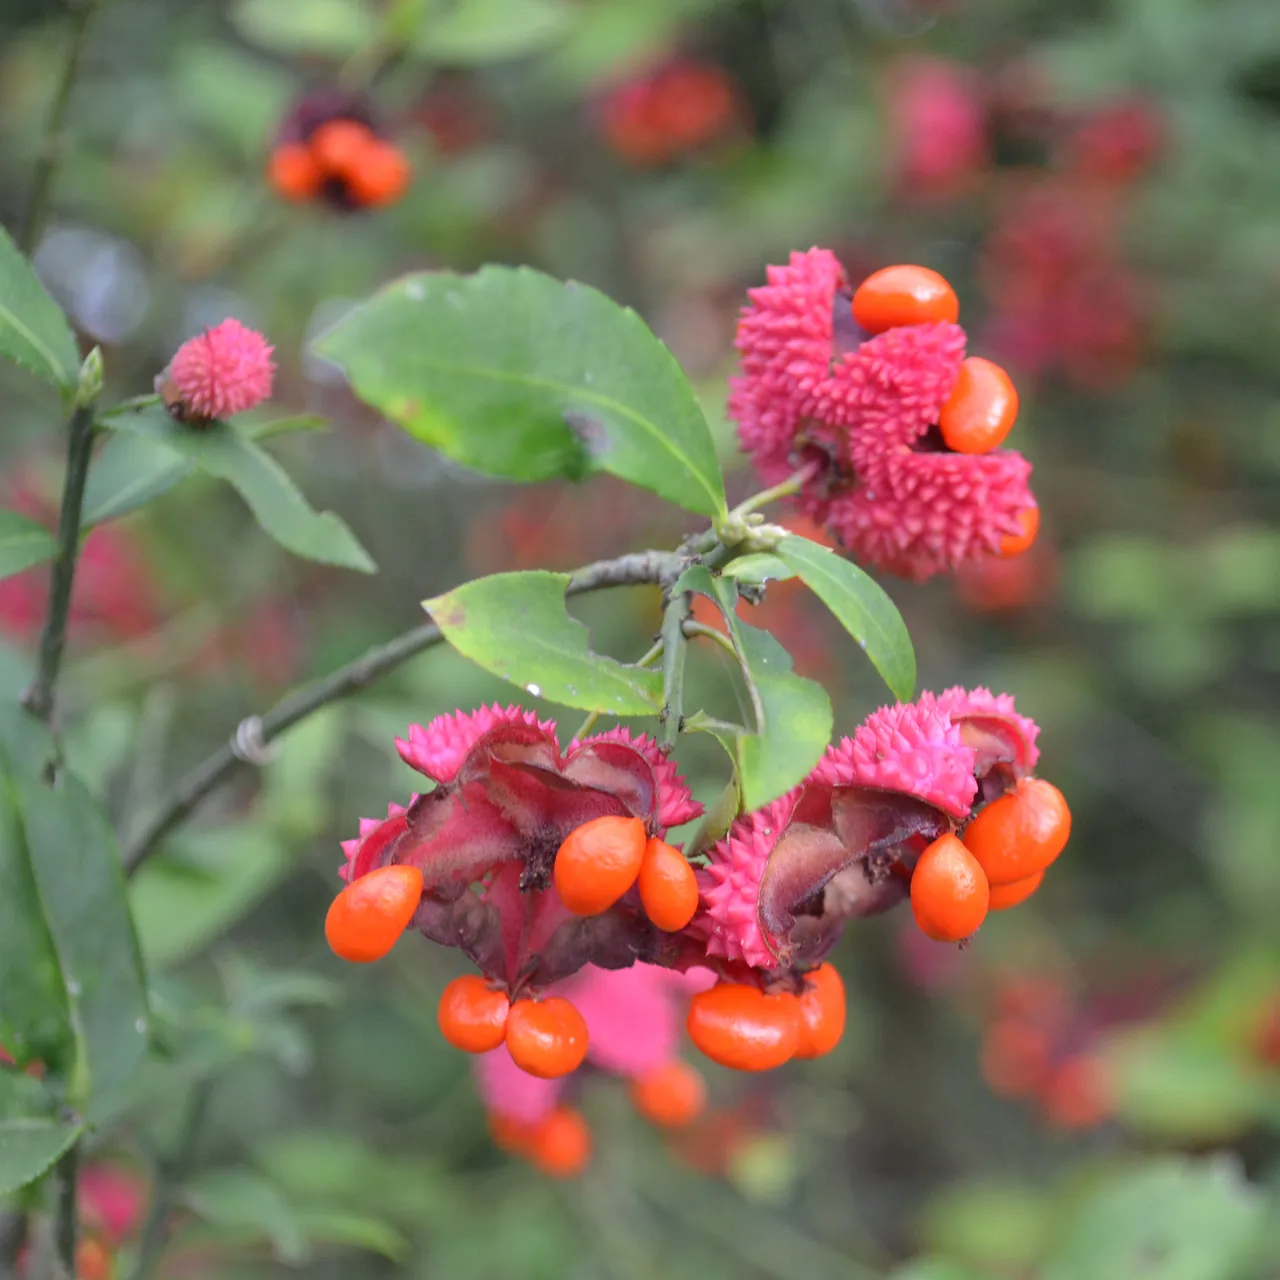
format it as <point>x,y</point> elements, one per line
<point>561,1146</point>
<point>1004,896</point>
<point>381,176</point>
<point>895,296</point>
<point>293,172</point>
<point>93,1260</point>
<point>369,915</point>
<point>949,892</point>
<point>741,1027</point>
<point>822,1012</point>
<point>546,1038</point>
<point>981,410</point>
<point>340,146</point>
<point>1014,544</point>
<point>672,1096</point>
<point>1020,832</point>
<point>668,887</point>
<point>472,1015</point>
<point>598,862</point>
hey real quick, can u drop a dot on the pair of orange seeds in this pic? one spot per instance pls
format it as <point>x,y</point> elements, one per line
<point>546,1038</point>
<point>600,861</point>
<point>1000,862</point>
<point>748,1029</point>
<point>369,170</point>
<point>983,406</point>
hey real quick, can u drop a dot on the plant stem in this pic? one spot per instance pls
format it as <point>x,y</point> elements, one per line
<point>13,1236</point>
<point>592,716</point>
<point>39,698</point>
<point>675,648</point>
<point>792,484</point>
<point>66,1174</point>
<point>169,1179</point>
<point>636,568</point>
<point>692,628</point>
<point>53,144</point>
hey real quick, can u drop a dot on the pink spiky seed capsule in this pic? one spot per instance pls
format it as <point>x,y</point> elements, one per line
<point>223,371</point>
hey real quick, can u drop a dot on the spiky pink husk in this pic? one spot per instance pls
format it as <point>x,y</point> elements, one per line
<point>675,804</point>
<point>890,391</point>
<point>785,337</point>
<point>374,835</point>
<point>959,702</point>
<point>439,749</point>
<point>730,886</point>
<point>910,747</point>
<point>223,371</point>
<point>917,514</point>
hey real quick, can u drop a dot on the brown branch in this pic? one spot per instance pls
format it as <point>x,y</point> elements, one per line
<point>637,568</point>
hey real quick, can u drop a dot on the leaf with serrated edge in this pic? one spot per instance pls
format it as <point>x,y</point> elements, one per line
<point>516,626</point>
<point>860,606</point>
<point>23,542</point>
<point>276,502</point>
<point>33,331</point>
<point>520,375</point>
<point>29,1148</point>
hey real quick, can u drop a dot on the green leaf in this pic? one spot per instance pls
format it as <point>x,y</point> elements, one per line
<point>247,1203</point>
<point>277,505</point>
<point>134,470</point>
<point>478,31</point>
<point>519,375</point>
<point>757,569</point>
<point>29,1148</point>
<point>1172,1219</point>
<point>792,715</point>
<point>76,867</point>
<point>23,543</point>
<point>327,27</point>
<point>130,472</point>
<point>33,331</point>
<point>35,1021</point>
<point>516,626</point>
<point>334,1225</point>
<point>201,885</point>
<point>861,607</point>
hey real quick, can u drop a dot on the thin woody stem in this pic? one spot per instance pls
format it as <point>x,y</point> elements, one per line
<point>53,144</point>
<point>39,698</point>
<point>593,716</point>
<point>634,569</point>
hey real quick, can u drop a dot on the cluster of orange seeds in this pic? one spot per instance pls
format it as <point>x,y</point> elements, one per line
<point>748,1029</point>
<point>602,859</point>
<point>343,159</point>
<point>999,862</point>
<point>983,406</point>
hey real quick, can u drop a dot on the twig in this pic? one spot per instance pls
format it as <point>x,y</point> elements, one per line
<point>629,570</point>
<point>675,648</point>
<point>53,144</point>
<point>13,1237</point>
<point>692,629</point>
<point>66,1176</point>
<point>593,716</point>
<point>169,1179</point>
<point>39,697</point>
